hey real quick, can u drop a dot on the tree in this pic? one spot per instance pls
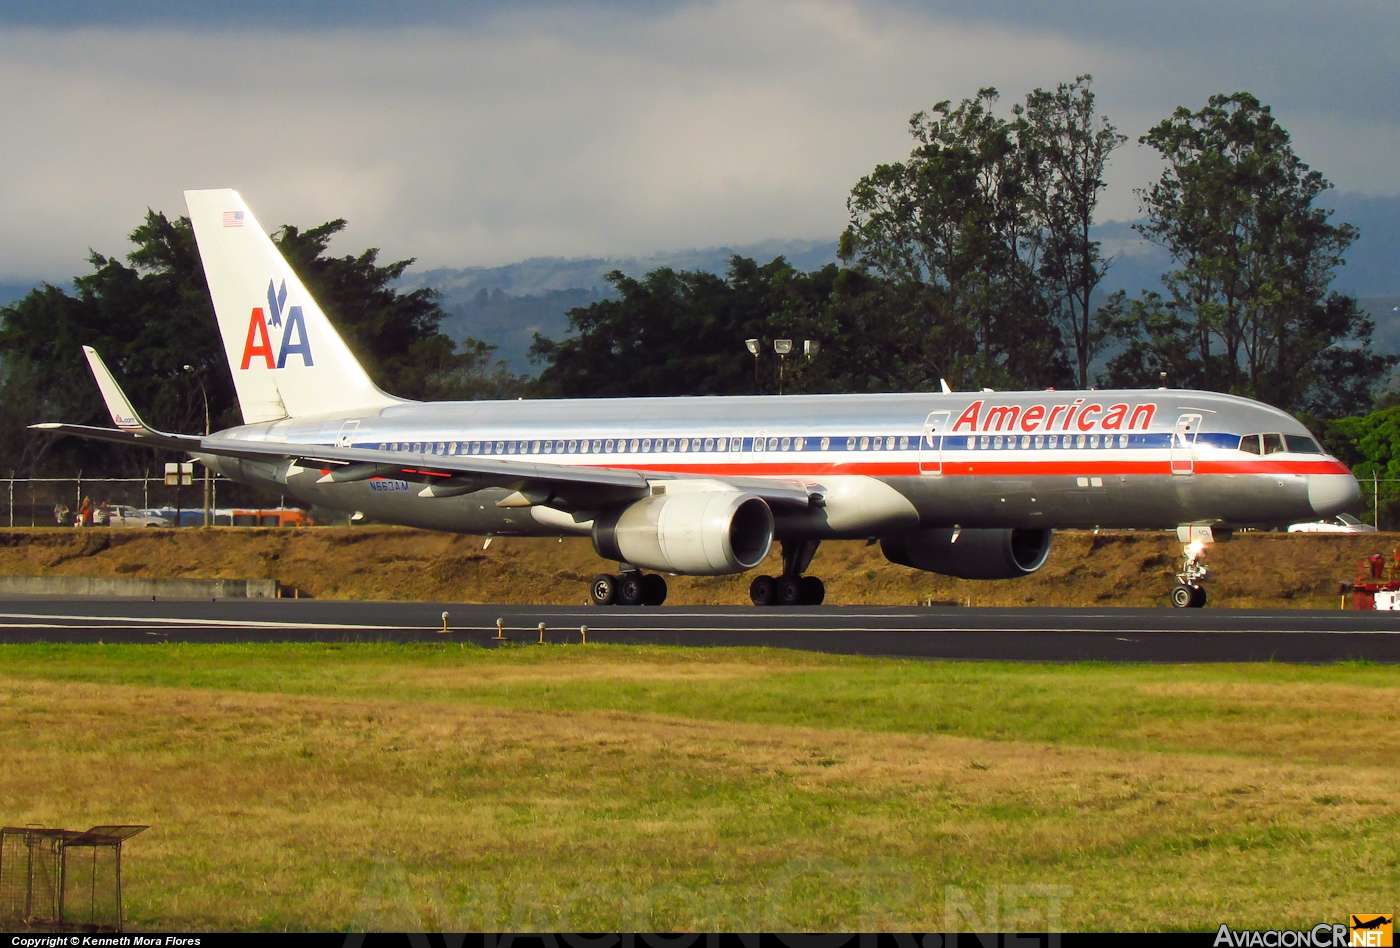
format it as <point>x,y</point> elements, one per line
<point>147,320</point>
<point>1070,146</point>
<point>1254,258</point>
<point>1370,445</point>
<point>152,316</point>
<point>953,228</point>
<point>682,332</point>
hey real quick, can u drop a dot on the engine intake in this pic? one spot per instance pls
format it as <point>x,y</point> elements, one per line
<point>704,533</point>
<point>975,554</point>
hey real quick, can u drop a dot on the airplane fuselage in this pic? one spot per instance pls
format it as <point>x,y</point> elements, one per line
<point>885,464</point>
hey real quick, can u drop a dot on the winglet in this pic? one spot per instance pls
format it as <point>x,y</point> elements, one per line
<point>118,405</point>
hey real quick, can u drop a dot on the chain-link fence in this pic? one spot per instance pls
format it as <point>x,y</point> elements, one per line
<point>127,501</point>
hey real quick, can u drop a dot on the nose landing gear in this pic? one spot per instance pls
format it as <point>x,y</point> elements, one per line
<point>1188,593</point>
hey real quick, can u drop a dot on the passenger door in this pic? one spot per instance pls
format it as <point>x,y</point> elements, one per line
<point>1183,450</point>
<point>931,444</point>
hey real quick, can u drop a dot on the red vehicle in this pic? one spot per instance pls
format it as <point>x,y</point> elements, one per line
<point>1377,583</point>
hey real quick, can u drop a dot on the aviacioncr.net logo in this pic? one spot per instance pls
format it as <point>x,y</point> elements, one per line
<point>286,322</point>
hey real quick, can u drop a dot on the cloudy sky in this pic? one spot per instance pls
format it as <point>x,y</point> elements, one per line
<point>478,134</point>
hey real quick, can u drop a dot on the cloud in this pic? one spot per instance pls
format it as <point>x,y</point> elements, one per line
<point>477,135</point>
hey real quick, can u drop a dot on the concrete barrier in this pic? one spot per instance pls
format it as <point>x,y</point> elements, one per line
<point>121,587</point>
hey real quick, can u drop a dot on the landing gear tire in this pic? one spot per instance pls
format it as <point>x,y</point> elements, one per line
<point>1188,597</point>
<point>631,589</point>
<point>789,592</point>
<point>763,590</point>
<point>653,589</point>
<point>813,591</point>
<point>603,589</point>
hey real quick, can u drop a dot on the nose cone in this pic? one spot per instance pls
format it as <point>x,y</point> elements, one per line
<point>1332,493</point>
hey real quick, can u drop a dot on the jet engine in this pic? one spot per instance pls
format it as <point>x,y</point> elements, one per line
<point>971,554</point>
<point>701,533</point>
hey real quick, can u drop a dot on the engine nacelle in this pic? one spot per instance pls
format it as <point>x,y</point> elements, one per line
<point>974,554</point>
<point>702,533</point>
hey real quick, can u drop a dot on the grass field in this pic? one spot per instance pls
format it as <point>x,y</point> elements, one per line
<point>592,787</point>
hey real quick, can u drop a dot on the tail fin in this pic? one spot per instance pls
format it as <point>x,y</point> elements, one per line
<point>286,358</point>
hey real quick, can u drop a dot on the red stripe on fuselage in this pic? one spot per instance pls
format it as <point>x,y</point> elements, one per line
<point>986,468</point>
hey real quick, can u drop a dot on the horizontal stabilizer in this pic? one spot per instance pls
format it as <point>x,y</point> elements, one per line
<point>142,438</point>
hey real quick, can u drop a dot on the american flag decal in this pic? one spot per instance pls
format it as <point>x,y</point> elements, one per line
<point>233,218</point>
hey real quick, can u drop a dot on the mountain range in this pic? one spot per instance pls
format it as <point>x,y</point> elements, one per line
<point>507,305</point>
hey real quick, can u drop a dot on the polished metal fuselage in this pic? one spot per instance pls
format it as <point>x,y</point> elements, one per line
<point>885,464</point>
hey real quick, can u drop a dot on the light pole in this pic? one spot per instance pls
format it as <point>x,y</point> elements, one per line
<point>752,346</point>
<point>782,347</point>
<point>208,514</point>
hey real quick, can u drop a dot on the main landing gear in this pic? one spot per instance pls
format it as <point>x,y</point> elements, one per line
<point>631,587</point>
<point>791,588</point>
<point>1188,593</point>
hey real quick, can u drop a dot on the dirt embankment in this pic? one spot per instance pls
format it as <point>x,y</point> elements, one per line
<point>373,562</point>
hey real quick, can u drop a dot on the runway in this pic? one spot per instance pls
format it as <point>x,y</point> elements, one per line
<point>1051,635</point>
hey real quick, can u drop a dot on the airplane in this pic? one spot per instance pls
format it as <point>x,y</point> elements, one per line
<point>966,484</point>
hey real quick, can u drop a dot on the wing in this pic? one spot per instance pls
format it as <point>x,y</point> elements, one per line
<point>562,485</point>
<point>444,476</point>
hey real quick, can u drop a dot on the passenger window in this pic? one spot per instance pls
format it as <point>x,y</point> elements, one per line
<point>722,444</point>
<point>1297,444</point>
<point>826,443</point>
<point>670,444</point>
<point>709,444</point>
<point>1273,444</point>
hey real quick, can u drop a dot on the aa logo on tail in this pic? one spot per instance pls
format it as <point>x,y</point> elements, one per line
<point>291,331</point>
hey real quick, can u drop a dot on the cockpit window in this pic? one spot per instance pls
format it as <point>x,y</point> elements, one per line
<point>1250,444</point>
<point>1273,444</point>
<point>1297,444</point>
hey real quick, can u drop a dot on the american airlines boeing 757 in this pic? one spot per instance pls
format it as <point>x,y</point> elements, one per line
<point>964,484</point>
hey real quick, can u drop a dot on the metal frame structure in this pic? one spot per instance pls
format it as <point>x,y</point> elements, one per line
<point>41,890</point>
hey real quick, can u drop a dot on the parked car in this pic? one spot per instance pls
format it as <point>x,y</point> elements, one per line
<point>1342,523</point>
<point>120,515</point>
